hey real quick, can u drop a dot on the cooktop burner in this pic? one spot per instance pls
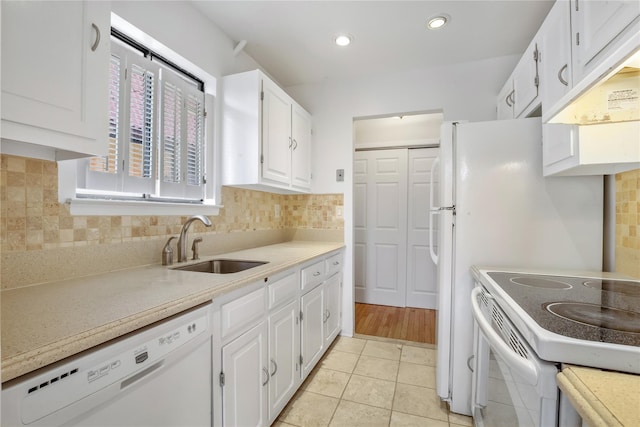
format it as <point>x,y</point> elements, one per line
<point>617,286</point>
<point>602,310</point>
<point>597,315</point>
<point>539,282</point>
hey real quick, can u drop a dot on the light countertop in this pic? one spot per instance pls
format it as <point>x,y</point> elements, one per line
<point>45,323</point>
<point>602,398</point>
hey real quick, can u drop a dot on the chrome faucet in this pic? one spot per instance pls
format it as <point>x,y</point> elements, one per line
<point>182,240</point>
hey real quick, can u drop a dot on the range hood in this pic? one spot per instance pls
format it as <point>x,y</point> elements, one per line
<point>612,99</point>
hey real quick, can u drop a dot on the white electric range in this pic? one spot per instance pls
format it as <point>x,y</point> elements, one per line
<point>529,322</point>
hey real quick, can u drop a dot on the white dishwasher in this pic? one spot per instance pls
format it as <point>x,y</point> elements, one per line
<point>158,376</point>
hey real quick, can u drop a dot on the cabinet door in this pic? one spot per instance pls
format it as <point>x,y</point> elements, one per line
<point>276,134</point>
<point>504,102</point>
<point>284,353</point>
<point>525,80</point>
<point>555,55</point>
<point>332,308</point>
<point>244,365</point>
<point>55,64</point>
<point>595,25</point>
<point>312,328</point>
<point>301,150</point>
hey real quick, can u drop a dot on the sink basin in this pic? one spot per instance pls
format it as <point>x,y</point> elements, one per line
<point>221,266</point>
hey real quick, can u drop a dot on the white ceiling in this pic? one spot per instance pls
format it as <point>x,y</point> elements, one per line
<point>292,40</point>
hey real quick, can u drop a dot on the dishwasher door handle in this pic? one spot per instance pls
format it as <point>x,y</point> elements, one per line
<point>140,375</point>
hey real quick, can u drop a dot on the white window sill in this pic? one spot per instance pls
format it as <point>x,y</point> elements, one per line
<point>134,207</point>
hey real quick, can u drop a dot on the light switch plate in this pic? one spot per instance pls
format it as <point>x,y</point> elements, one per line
<point>339,175</point>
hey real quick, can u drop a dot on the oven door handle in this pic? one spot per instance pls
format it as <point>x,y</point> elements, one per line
<point>524,367</point>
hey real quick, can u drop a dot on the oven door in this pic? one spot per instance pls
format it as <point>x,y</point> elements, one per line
<point>511,385</point>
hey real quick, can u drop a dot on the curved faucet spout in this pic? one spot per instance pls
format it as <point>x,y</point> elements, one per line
<point>182,240</point>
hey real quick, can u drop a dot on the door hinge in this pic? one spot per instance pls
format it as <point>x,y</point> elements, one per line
<point>536,81</point>
<point>261,158</point>
<point>536,54</point>
<point>204,113</point>
<point>577,6</point>
<point>301,316</point>
<point>301,360</point>
<point>262,96</point>
<point>577,39</point>
<point>221,379</point>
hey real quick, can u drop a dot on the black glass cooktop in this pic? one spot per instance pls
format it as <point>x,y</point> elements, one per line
<point>603,310</point>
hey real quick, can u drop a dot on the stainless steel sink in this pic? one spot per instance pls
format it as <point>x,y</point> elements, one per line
<point>221,266</point>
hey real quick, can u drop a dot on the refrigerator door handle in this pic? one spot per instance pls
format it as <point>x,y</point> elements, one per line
<point>432,211</point>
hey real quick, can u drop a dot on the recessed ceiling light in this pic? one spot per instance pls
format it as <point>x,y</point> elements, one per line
<point>439,21</point>
<point>343,39</point>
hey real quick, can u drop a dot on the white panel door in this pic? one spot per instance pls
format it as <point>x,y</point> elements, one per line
<point>244,395</point>
<point>284,352</point>
<point>312,307</point>
<point>276,134</point>
<point>301,148</point>
<point>422,289</point>
<point>384,234</point>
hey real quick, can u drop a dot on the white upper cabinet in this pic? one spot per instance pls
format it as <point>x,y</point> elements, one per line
<point>505,101</point>
<point>55,65</point>
<point>555,57</point>
<point>525,82</point>
<point>598,27</point>
<point>519,95</point>
<point>266,136</point>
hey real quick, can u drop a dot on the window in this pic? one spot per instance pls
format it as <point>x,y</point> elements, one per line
<point>156,131</point>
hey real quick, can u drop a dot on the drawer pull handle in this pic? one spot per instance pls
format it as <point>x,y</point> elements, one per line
<point>562,80</point>
<point>97,41</point>
<point>336,262</point>
<point>316,274</point>
<point>275,367</point>
<point>265,371</point>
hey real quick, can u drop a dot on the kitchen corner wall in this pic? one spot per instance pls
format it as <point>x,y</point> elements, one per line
<point>41,241</point>
<point>628,223</point>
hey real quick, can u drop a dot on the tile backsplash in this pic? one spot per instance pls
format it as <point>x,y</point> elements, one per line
<point>31,219</point>
<point>628,223</point>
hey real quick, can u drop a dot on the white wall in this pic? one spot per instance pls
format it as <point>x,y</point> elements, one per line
<point>464,91</point>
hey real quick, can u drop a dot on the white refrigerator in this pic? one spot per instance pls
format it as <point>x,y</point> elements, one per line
<point>494,208</point>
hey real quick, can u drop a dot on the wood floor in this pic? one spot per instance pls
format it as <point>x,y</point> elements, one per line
<point>409,324</point>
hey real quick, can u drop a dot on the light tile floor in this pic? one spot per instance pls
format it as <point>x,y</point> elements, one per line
<point>367,381</point>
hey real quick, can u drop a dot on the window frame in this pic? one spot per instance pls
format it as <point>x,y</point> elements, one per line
<point>106,202</point>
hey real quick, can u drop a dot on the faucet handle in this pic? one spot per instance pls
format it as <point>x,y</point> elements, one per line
<point>194,247</point>
<point>167,252</point>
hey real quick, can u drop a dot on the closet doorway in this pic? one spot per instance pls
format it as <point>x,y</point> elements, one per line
<point>392,173</point>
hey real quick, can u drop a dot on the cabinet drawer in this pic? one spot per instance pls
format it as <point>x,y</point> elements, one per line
<point>333,264</point>
<point>312,275</point>
<point>241,312</point>
<point>283,289</point>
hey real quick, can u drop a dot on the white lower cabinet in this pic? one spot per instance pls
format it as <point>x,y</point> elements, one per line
<point>312,329</point>
<point>268,336</point>
<point>284,356</point>
<point>244,379</point>
<point>332,309</point>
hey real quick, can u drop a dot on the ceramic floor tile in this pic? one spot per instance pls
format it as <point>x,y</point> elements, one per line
<point>461,420</point>
<point>281,424</point>
<point>421,375</point>
<point>350,345</point>
<point>370,391</point>
<point>400,419</point>
<point>308,409</point>
<point>327,382</point>
<point>422,356</point>
<point>382,350</point>
<point>375,367</point>
<point>351,414</point>
<point>339,361</point>
<point>420,401</point>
